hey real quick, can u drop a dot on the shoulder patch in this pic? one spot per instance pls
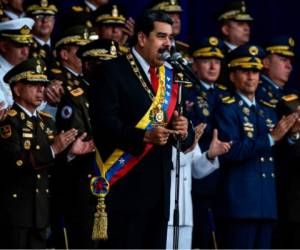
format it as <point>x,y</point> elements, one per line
<point>228,99</point>
<point>12,112</point>
<point>270,105</point>
<point>124,50</point>
<point>56,71</point>
<point>47,114</point>
<point>5,131</point>
<point>221,86</point>
<point>289,98</point>
<point>77,92</point>
<point>77,8</point>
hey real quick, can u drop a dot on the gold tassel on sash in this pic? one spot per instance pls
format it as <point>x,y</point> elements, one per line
<point>100,221</point>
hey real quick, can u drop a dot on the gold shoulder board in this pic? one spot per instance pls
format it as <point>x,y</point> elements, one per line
<point>228,100</point>
<point>290,97</point>
<point>124,50</point>
<point>77,92</point>
<point>221,86</point>
<point>56,71</point>
<point>45,114</point>
<point>268,104</point>
<point>12,112</point>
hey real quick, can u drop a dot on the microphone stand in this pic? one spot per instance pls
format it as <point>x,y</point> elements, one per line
<point>180,82</point>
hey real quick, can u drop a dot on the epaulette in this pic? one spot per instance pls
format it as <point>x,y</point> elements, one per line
<point>221,86</point>
<point>77,8</point>
<point>270,105</point>
<point>188,85</point>
<point>47,114</point>
<point>56,71</point>
<point>124,50</point>
<point>289,98</point>
<point>12,112</point>
<point>228,99</point>
<point>77,92</point>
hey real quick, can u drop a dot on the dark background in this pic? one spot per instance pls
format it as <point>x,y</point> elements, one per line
<point>271,17</point>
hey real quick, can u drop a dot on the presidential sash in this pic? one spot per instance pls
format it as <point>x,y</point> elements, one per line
<point>119,163</point>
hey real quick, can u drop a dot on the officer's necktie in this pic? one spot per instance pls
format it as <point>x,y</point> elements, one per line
<point>154,78</point>
<point>34,121</point>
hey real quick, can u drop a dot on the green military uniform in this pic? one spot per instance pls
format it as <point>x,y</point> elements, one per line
<point>26,155</point>
<point>37,9</point>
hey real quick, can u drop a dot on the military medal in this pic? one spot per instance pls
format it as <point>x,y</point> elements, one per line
<point>205,112</point>
<point>246,110</point>
<point>157,116</point>
<point>22,116</point>
<point>250,134</point>
<point>42,125</point>
<point>27,144</point>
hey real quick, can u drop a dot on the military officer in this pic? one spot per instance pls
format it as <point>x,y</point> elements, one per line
<point>111,23</point>
<point>73,112</point>
<point>234,22</point>
<point>15,38</point>
<point>202,100</point>
<point>246,203</point>
<point>43,12</point>
<point>174,10</point>
<point>278,66</point>
<point>28,147</point>
<point>93,54</point>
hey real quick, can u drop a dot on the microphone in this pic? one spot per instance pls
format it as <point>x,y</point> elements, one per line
<point>183,65</point>
<point>166,56</point>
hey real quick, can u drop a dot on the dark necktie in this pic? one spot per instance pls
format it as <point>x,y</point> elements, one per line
<point>154,78</point>
<point>34,121</point>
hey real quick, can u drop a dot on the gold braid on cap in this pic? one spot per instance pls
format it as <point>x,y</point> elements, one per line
<point>78,39</point>
<point>30,76</point>
<point>103,53</point>
<point>208,52</point>
<point>36,9</point>
<point>280,49</point>
<point>246,62</point>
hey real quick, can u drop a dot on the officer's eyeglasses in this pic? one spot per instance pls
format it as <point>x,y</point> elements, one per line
<point>44,18</point>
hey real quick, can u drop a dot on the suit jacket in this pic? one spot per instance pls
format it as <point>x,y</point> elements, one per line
<point>288,156</point>
<point>118,101</point>
<point>247,187</point>
<point>26,157</point>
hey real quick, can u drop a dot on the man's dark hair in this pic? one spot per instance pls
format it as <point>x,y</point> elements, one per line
<point>145,23</point>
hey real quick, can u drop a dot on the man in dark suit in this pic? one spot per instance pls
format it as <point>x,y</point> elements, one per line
<point>132,114</point>
<point>28,147</point>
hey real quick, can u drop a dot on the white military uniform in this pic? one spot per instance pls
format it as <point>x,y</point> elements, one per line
<point>5,91</point>
<point>17,31</point>
<point>193,164</point>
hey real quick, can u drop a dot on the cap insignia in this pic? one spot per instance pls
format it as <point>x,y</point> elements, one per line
<point>253,50</point>
<point>291,42</point>
<point>213,41</point>
<point>44,3</point>
<point>25,30</point>
<point>115,12</point>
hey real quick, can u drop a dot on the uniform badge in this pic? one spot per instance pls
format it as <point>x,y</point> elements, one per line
<point>5,131</point>
<point>22,116</point>
<point>29,124</point>
<point>27,135</point>
<point>77,92</point>
<point>66,112</point>
<point>87,104</point>
<point>27,144</point>
<point>205,112</point>
<point>42,125</point>
<point>246,111</point>
<point>250,134</point>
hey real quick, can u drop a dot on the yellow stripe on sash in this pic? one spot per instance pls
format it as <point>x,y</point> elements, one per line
<point>142,124</point>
